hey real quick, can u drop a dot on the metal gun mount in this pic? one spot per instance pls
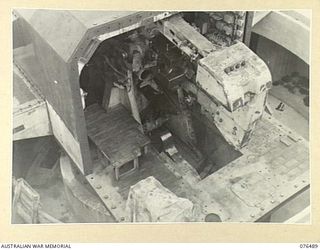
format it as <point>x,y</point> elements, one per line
<point>231,83</point>
<point>164,96</point>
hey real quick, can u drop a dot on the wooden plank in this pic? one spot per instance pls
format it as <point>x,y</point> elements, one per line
<point>26,202</point>
<point>115,133</point>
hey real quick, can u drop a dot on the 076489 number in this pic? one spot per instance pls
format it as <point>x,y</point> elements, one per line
<point>304,245</point>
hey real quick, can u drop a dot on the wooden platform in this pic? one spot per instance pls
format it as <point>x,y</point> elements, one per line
<point>115,133</point>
